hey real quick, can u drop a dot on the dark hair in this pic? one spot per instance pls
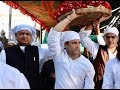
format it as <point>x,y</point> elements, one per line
<point>118,49</point>
<point>66,43</point>
<point>0,49</point>
<point>118,52</point>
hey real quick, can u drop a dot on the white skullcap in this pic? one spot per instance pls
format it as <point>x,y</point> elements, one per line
<point>113,30</point>
<point>68,36</point>
<point>20,27</point>
<point>23,27</point>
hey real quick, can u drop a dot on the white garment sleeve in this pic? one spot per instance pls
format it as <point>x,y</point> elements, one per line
<point>88,43</point>
<point>108,77</point>
<point>54,42</point>
<point>12,78</point>
<point>3,56</point>
<point>23,82</point>
<point>89,83</point>
<point>44,55</point>
<point>100,40</point>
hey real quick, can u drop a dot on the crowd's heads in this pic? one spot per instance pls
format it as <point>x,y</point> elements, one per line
<point>113,30</point>
<point>20,27</point>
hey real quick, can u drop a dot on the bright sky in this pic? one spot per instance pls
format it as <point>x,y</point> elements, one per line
<point>17,18</point>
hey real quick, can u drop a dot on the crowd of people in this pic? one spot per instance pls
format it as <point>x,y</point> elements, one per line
<point>65,67</point>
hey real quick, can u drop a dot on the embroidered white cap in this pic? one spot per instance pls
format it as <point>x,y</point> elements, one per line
<point>68,36</point>
<point>111,30</point>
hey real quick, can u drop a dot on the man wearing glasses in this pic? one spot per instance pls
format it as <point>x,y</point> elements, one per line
<point>101,53</point>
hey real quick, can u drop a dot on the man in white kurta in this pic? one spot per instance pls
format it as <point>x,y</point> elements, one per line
<point>70,73</point>
<point>11,78</point>
<point>111,79</point>
<point>92,46</point>
<point>101,53</point>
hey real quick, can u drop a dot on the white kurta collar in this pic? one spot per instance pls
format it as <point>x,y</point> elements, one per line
<point>112,55</point>
<point>22,48</point>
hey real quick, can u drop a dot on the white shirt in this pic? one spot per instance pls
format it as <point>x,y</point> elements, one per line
<point>11,78</point>
<point>70,74</point>
<point>91,45</point>
<point>111,79</point>
<point>44,54</point>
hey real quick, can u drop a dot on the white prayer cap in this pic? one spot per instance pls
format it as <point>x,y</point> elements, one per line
<point>113,30</point>
<point>68,36</point>
<point>21,27</point>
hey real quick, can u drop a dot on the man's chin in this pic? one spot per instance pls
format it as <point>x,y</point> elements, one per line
<point>24,44</point>
<point>77,53</point>
<point>111,46</point>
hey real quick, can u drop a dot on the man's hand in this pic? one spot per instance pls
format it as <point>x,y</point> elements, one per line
<point>73,15</point>
<point>96,23</point>
<point>63,24</point>
<point>104,17</point>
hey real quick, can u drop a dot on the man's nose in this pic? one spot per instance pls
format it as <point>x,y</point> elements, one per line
<point>24,35</point>
<point>78,45</point>
<point>110,39</point>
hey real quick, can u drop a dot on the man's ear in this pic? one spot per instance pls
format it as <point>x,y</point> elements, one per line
<point>65,45</point>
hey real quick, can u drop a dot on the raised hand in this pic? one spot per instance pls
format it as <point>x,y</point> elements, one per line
<point>96,26</point>
<point>73,15</point>
<point>104,17</point>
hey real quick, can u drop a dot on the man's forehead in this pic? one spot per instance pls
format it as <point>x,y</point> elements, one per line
<point>24,31</point>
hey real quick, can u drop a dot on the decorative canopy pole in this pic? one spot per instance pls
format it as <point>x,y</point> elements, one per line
<point>10,18</point>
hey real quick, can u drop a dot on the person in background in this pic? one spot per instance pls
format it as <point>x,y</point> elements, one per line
<point>11,43</point>
<point>111,78</point>
<point>47,75</point>
<point>23,56</point>
<point>72,69</point>
<point>12,78</point>
<point>101,53</point>
<point>88,55</point>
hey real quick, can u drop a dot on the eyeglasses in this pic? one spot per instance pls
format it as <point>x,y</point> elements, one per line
<point>113,37</point>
